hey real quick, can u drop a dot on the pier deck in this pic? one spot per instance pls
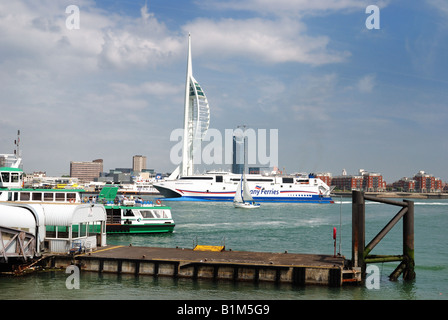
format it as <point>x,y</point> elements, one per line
<point>299,269</point>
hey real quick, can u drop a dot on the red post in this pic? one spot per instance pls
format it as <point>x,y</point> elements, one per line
<point>334,238</point>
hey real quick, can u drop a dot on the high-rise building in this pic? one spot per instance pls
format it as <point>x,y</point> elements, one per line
<point>86,171</point>
<point>237,162</point>
<point>138,163</point>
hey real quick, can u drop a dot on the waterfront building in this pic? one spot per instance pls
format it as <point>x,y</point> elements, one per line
<point>364,181</point>
<point>404,184</point>
<point>138,163</point>
<point>86,171</point>
<point>373,181</point>
<point>425,182</point>
<point>347,182</point>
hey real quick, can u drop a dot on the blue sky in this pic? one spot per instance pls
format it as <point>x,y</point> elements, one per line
<point>341,96</point>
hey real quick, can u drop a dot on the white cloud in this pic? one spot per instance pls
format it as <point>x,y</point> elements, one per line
<point>366,83</point>
<point>273,41</point>
<point>292,7</point>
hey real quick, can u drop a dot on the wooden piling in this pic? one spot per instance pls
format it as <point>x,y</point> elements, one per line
<point>358,230</point>
<point>361,253</point>
<point>408,242</point>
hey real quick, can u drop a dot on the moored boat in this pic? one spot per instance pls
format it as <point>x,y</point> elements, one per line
<point>134,216</point>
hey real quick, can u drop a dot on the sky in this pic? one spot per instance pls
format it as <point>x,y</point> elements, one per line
<point>340,94</point>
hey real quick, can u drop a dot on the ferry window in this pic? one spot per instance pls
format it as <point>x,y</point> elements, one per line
<point>48,196</point>
<point>71,196</point>
<point>218,178</point>
<point>157,214</point>
<point>5,177</point>
<point>196,178</point>
<point>24,196</point>
<point>288,180</point>
<point>36,196</point>
<point>146,214</point>
<point>59,197</point>
<point>16,196</point>
<point>14,177</point>
<point>128,213</point>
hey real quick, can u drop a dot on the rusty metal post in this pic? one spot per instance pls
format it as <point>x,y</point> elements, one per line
<point>408,242</point>
<point>358,230</point>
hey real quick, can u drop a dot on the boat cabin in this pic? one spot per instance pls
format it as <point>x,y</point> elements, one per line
<point>41,195</point>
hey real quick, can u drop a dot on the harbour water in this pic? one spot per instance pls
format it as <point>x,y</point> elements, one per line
<point>298,228</point>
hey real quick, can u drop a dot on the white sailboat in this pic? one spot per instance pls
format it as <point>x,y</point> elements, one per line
<point>243,198</point>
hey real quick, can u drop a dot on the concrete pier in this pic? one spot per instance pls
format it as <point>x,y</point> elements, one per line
<point>297,269</point>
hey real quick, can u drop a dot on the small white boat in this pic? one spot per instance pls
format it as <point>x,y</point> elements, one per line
<point>243,198</point>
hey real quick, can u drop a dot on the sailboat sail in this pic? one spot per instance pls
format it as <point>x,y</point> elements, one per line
<point>238,193</point>
<point>242,193</point>
<point>246,192</point>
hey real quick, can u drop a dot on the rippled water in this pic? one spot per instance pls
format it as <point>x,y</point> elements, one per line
<point>297,228</point>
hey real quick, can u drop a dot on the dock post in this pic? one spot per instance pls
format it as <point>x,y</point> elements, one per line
<point>358,230</point>
<point>408,242</point>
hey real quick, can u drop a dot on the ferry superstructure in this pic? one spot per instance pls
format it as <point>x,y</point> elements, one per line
<point>221,186</point>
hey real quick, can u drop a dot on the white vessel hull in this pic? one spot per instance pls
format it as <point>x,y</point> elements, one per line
<point>222,187</point>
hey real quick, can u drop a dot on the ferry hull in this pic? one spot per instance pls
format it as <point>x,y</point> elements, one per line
<point>139,229</point>
<point>297,196</point>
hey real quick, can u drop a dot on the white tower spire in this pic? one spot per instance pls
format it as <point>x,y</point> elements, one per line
<point>196,118</point>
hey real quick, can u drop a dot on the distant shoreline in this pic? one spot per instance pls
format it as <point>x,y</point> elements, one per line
<point>407,195</point>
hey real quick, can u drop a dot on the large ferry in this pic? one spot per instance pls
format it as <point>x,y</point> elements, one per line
<point>221,186</point>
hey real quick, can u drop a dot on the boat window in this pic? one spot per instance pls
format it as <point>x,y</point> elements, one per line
<point>146,213</point>
<point>287,180</point>
<point>24,196</point>
<point>5,177</point>
<point>218,178</point>
<point>48,196</point>
<point>14,177</point>
<point>128,213</point>
<point>59,197</point>
<point>36,196</point>
<point>16,196</point>
<point>71,196</point>
<point>157,214</point>
<point>196,178</point>
<point>260,180</point>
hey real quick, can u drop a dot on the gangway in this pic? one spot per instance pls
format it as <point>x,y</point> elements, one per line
<point>16,244</point>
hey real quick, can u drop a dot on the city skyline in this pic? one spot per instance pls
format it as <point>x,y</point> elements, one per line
<point>341,95</point>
